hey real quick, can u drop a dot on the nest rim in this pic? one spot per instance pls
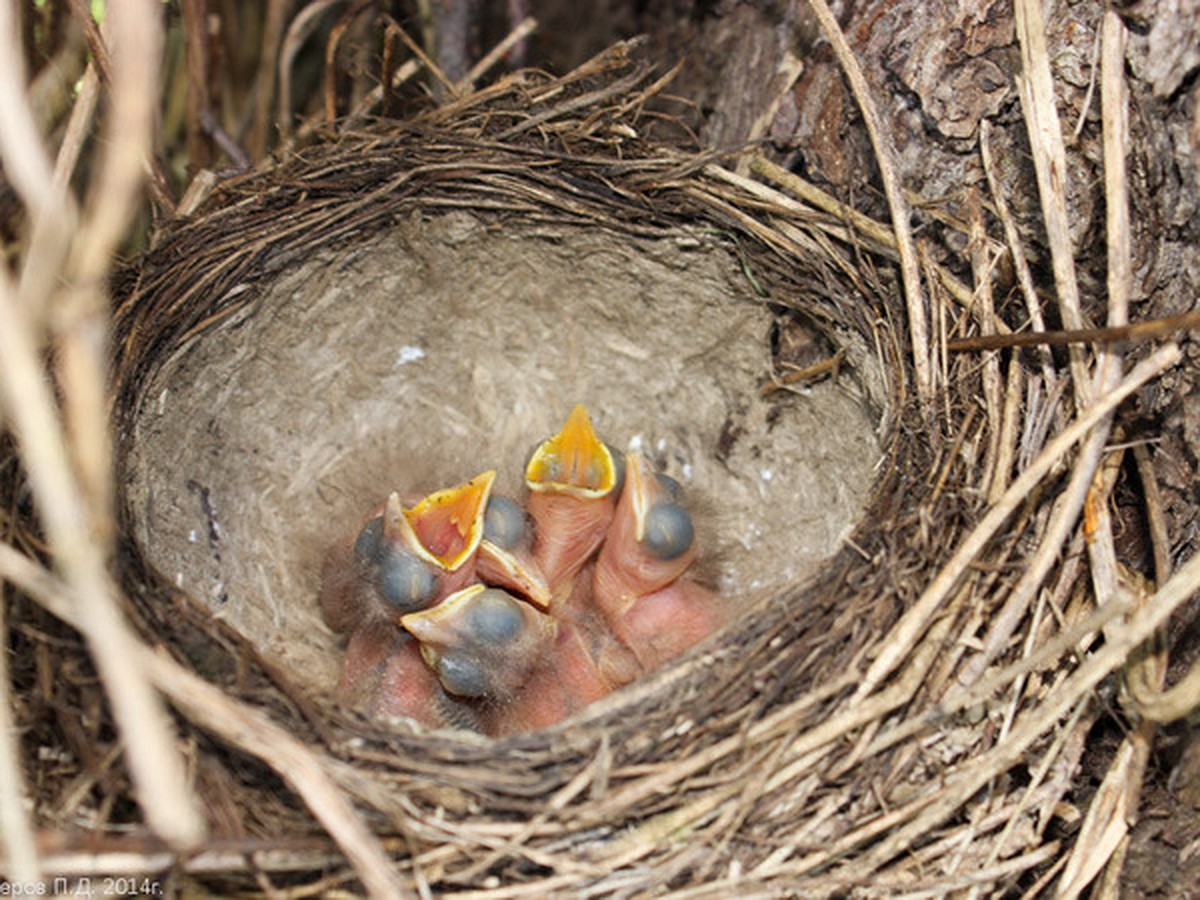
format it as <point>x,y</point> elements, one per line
<point>559,808</point>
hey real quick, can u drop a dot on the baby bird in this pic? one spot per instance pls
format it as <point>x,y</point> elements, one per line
<point>408,688</point>
<point>385,676</point>
<point>400,561</point>
<point>403,560</point>
<point>639,583</point>
<point>468,610</point>
<point>573,480</point>
<point>525,670</point>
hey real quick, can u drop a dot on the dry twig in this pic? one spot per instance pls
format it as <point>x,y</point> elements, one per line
<point>73,503</point>
<point>917,317</point>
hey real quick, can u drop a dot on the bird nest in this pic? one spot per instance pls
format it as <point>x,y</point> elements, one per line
<point>903,696</point>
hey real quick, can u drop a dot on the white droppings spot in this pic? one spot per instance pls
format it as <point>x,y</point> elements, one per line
<point>408,353</point>
<point>661,444</point>
<point>767,474</point>
<point>686,470</point>
<point>635,443</point>
<point>192,536</point>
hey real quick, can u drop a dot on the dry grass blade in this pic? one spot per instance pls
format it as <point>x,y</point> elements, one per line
<point>1036,88</point>
<point>1109,815</point>
<point>971,777</point>
<point>918,615</point>
<point>1102,551</point>
<point>1015,251</point>
<point>1177,702</point>
<point>295,763</point>
<point>917,316</point>
<point>17,847</point>
<point>72,503</point>
<point>982,266</point>
<point>865,225</point>
<point>240,725</point>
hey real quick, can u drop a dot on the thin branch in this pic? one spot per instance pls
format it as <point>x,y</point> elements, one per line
<point>394,29</point>
<point>300,28</point>
<point>195,35</point>
<point>26,164</point>
<point>30,404</point>
<point>28,169</point>
<point>264,78</point>
<point>525,28</point>
<point>17,847</point>
<point>1134,333</point>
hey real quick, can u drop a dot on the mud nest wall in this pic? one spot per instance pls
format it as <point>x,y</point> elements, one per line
<point>904,709</point>
<point>438,348</point>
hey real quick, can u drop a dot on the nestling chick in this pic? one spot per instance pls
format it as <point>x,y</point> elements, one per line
<point>640,584</point>
<point>403,560</point>
<point>525,670</point>
<point>573,480</point>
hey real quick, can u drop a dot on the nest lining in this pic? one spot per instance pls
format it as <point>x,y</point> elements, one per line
<point>415,358</point>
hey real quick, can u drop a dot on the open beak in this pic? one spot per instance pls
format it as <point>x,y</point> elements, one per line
<point>515,570</point>
<point>442,625</point>
<point>446,527</point>
<point>573,480</point>
<point>575,461</point>
<point>506,552</point>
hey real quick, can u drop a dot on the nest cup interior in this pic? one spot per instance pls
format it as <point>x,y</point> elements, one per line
<point>418,356</point>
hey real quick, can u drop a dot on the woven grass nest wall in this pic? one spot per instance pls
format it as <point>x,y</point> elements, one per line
<point>915,532</point>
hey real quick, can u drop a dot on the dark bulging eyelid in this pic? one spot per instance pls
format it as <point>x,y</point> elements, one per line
<point>495,617</point>
<point>462,675</point>
<point>669,530</point>
<point>367,544</point>
<point>504,522</point>
<point>404,581</point>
